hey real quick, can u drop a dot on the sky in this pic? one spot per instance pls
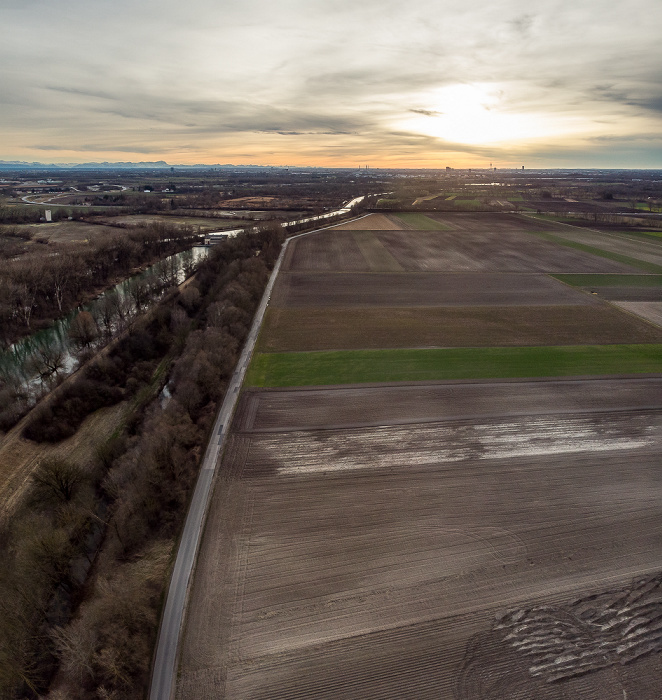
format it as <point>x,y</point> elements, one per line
<point>342,83</point>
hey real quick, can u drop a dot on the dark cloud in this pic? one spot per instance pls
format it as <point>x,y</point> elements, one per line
<point>522,24</point>
<point>427,112</point>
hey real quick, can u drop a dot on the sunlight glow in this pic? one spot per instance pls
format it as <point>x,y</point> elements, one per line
<point>470,113</point>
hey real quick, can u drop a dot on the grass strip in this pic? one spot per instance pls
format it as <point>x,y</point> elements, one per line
<point>420,222</point>
<point>625,259</point>
<point>609,280</point>
<point>358,366</point>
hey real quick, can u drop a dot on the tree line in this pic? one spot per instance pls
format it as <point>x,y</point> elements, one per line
<point>35,290</point>
<point>92,637</point>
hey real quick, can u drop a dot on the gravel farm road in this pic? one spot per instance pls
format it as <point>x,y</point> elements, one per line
<point>165,662</point>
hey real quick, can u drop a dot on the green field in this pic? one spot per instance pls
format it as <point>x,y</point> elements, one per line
<point>359,366</point>
<point>608,280</point>
<point>420,222</point>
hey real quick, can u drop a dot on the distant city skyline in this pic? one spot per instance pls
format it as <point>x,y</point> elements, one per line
<point>429,83</point>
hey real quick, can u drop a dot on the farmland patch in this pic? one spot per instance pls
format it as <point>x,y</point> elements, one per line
<point>394,569</point>
<point>357,366</point>
<point>421,222</point>
<point>650,310</point>
<point>372,222</point>
<point>375,254</point>
<point>311,328</point>
<point>304,289</point>
<point>500,246</point>
<point>325,251</point>
<point>614,249</point>
<point>352,406</point>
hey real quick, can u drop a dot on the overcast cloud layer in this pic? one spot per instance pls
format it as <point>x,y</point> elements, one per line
<point>428,83</point>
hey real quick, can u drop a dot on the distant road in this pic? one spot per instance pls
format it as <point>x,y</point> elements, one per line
<point>164,673</point>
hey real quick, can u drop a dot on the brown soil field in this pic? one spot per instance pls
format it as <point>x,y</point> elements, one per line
<point>424,289</point>
<point>627,293</point>
<point>501,536</point>
<point>490,223</point>
<point>296,329</point>
<point>622,244</point>
<point>372,222</point>
<point>309,408</point>
<point>326,251</point>
<point>505,248</point>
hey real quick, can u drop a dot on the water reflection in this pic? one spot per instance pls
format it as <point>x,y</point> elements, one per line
<point>41,359</point>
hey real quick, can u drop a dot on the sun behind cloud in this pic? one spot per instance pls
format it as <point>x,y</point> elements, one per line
<point>474,114</point>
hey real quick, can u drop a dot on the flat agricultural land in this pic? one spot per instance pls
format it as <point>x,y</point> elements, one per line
<point>384,542</point>
<point>650,310</point>
<point>508,250</point>
<point>618,287</point>
<point>647,249</point>
<point>455,493</point>
<point>424,289</point>
<point>420,222</point>
<point>371,222</point>
<point>403,365</point>
<point>635,251</point>
<point>351,328</point>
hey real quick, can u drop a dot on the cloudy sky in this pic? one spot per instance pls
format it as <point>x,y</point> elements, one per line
<point>423,83</point>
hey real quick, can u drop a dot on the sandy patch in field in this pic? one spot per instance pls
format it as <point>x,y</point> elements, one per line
<point>650,310</point>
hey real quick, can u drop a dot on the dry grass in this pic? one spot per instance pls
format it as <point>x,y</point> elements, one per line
<point>19,457</point>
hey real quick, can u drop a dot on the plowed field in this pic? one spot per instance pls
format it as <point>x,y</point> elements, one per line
<point>502,249</point>
<point>458,289</point>
<point>427,559</point>
<point>348,328</point>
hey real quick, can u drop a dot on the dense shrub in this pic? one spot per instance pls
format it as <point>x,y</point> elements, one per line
<point>59,419</point>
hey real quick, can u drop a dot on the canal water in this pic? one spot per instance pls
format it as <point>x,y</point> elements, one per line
<point>20,362</point>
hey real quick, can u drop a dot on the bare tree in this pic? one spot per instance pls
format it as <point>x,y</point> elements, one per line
<point>138,290</point>
<point>47,358</point>
<point>83,330</point>
<point>60,274</point>
<point>58,479</point>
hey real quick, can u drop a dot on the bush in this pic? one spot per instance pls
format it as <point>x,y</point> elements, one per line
<point>61,417</point>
